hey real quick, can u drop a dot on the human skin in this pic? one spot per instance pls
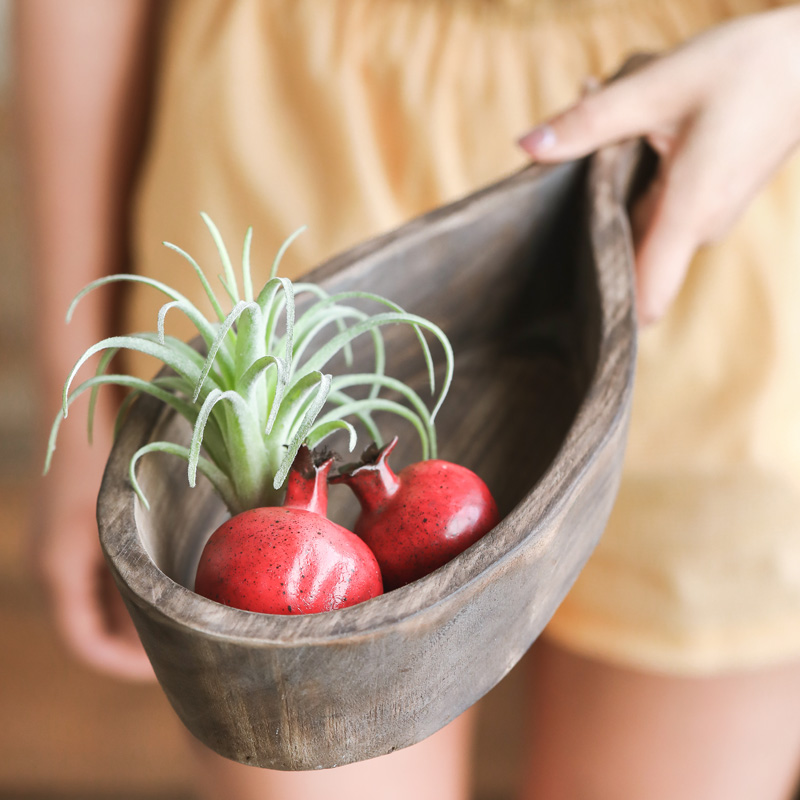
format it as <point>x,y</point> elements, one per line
<point>82,71</point>
<point>599,731</point>
<point>723,113</point>
<point>690,104</point>
<point>81,74</point>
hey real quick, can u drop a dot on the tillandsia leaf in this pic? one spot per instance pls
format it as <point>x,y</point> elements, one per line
<point>328,350</point>
<point>139,343</point>
<point>247,278</point>
<point>230,276</point>
<point>277,296</point>
<point>186,409</point>
<point>204,327</point>
<point>379,404</point>
<point>226,286</point>
<point>282,250</point>
<point>294,406</point>
<point>219,480</point>
<point>322,310</point>
<point>225,363</point>
<point>175,383</point>
<point>318,291</point>
<point>302,431</point>
<point>376,298</point>
<point>181,348</point>
<point>272,310</point>
<point>248,419</point>
<point>322,431</point>
<point>162,316</point>
<point>274,401</point>
<point>334,314</point>
<point>186,351</point>
<point>198,432</point>
<point>364,417</point>
<point>215,434</point>
<point>223,330</point>
<point>249,338</point>
<point>213,439</point>
<point>122,412</point>
<point>247,463</point>
<point>102,366</point>
<point>257,368</point>
<point>203,280</point>
<point>392,384</point>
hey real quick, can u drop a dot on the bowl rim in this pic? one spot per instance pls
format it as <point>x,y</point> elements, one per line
<point>604,407</point>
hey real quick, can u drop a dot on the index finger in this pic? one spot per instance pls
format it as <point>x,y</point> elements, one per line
<point>649,95</point>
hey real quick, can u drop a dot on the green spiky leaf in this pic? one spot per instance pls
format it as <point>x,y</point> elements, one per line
<point>260,391</point>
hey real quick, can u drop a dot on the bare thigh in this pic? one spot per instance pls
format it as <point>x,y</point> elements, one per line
<point>605,733</point>
<point>435,769</point>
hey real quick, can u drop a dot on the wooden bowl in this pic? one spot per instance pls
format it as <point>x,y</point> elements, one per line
<point>531,279</point>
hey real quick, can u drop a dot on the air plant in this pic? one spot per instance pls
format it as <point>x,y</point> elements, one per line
<point>259,391</point>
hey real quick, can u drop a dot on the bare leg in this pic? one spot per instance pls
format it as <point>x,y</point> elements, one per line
<point>603,732</point>
<point>435,769</point>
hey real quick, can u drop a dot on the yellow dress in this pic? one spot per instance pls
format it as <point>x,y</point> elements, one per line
<point>352,116</point>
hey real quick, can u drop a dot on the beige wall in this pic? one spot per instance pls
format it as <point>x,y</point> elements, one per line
<point>17,400</point>
<point>4,12</point>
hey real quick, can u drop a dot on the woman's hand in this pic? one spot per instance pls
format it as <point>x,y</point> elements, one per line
<point>86,607</point>
<point>722,111</point>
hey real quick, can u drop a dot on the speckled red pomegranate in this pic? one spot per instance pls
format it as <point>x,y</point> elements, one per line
<point>289,559</point>
<point>421,518</point>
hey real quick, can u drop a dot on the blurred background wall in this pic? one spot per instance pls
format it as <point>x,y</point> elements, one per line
<point>16,406</point>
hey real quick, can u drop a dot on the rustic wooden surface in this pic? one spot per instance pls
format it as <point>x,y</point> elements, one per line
<point>531,279</point>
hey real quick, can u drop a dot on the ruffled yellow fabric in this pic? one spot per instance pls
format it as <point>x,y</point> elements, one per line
<point>352,116</point>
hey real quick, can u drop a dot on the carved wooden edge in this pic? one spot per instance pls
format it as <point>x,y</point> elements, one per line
<point>602,414</point>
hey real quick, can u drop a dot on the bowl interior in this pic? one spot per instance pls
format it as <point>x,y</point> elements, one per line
<point>511,285</point>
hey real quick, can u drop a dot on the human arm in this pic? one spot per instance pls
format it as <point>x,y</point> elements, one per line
<point>723,113</point>
<point>82,71</point>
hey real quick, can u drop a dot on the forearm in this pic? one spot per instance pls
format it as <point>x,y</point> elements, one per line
<point>82,70</point>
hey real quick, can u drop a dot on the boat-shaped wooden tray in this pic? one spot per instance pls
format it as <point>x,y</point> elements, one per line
<point>531,280</point>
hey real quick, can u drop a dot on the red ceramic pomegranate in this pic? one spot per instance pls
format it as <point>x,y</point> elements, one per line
<point>417,520</point>
<point>289,559</point>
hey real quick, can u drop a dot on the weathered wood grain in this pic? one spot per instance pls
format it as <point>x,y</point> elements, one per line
<point>531,279</point>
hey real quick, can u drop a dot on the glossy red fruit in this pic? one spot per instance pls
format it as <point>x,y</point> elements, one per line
<point>289,559</point>
<point>417,520</point>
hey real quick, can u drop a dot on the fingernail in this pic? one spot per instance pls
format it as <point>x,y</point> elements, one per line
<point>539,140</point>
